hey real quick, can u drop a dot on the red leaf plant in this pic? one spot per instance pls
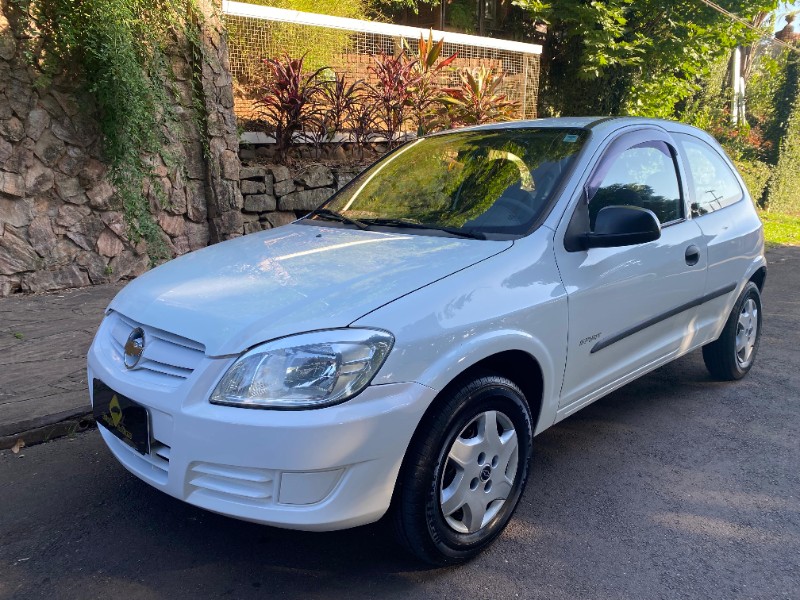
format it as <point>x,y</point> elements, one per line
<point>395,78</point>
<point>291,98</point>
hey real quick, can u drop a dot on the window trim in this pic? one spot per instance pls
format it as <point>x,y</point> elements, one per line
<point>612,155</point>
<point>578,224</point>
<point>679,140</point>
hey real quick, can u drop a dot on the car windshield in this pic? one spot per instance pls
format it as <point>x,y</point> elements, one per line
<point>469,183</point>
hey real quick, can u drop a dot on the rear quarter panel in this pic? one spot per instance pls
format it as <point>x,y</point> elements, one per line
<point>734,238</point>
<point>734,242</point>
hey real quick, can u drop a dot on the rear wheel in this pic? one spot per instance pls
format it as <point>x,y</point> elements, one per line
<point>464,472</point>
<point>732,355</point>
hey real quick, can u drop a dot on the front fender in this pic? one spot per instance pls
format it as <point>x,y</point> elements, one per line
<point>512,301</point>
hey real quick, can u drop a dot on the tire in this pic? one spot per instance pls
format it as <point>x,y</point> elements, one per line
<point>732,355</point>
<point>459,487</point>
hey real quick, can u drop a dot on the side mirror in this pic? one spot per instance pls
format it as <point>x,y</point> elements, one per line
<point>623,226</point>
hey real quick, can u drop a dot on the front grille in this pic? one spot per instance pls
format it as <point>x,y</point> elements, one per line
<point>170,358</point>
<point>254,487</point>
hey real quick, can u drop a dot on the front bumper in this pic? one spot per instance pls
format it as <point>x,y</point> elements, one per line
<point>323,469</point>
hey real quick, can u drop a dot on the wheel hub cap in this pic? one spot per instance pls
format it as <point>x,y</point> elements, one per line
<point>479,472</point>
<point>746,333</point>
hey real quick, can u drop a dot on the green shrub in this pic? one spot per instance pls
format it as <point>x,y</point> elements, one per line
<point>288,37</point>
<point>783,191</point>
<point>478,99</point>
<point>354,9</point>
<point>756,174</point>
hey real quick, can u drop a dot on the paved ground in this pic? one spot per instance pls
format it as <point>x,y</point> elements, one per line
<point>672,487</point>
<point>43,345</point>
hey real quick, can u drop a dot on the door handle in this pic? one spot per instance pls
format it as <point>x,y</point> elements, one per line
<point>692,255</point>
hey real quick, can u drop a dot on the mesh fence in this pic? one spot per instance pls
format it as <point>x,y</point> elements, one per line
<point>252,39</point>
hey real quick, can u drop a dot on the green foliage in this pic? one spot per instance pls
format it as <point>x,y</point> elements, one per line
<point>756,175</point>
<point>353,9</point>
<point>783,102</point>
<point>319,55</point>
<point>783,192</point>
<point>764,87</point>
<point>623,57</point>
<point>708,108</point>
<point>781,229</point>
<point>116,48</point>
<point>462,15</point>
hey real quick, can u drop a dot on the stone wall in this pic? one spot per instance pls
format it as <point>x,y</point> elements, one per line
<point>274,196</point>
<point>60,222</point>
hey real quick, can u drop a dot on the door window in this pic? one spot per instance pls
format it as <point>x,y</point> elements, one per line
<point>713,183</point>
<point>642,176</point>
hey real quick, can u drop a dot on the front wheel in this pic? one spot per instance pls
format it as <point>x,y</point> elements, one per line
<point>732,355</point>
<point>464,472</point>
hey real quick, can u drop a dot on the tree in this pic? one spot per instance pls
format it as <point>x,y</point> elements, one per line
<point>624,57</point>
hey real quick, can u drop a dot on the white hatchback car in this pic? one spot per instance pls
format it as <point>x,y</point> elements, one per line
<point>397,350</point>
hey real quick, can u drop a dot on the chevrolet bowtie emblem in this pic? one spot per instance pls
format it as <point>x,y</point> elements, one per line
<point>134,348</point>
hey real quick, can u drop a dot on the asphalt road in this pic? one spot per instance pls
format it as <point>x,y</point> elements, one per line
<point>673,487</point>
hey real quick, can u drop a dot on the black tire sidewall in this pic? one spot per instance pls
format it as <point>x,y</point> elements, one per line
<point>500,395</point>
<point>750,291</point>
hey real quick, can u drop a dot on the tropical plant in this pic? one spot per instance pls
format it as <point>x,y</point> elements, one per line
<point>395,78</point>
<point>291,98</point>
<point>338,97</point>
<point>478,99</point>
<point>361,122</point>
<point>425,95</point>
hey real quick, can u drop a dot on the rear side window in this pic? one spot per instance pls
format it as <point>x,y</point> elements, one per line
<point>642,176</point>
<point>713,184</point>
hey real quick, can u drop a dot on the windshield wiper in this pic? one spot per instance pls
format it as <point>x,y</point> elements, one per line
<point>332,215</point>
<point>475,235</point>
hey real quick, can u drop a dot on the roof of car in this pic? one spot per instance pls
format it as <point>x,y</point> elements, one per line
<point>599,124</point>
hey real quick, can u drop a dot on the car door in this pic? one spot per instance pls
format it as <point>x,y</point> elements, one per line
<point>630,307</point>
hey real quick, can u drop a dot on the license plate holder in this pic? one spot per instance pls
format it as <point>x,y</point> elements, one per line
<point>123,417</point>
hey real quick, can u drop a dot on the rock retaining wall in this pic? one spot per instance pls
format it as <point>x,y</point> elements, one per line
<point>274,196</point>
<point>61,224</point>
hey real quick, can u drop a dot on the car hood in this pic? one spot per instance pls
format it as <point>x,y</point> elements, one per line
<point>236,294</point>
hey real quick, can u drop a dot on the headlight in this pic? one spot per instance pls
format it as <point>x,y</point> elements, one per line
<point>310,370</point>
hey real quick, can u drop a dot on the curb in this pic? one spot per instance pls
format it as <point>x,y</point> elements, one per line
<point>46,433</point>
